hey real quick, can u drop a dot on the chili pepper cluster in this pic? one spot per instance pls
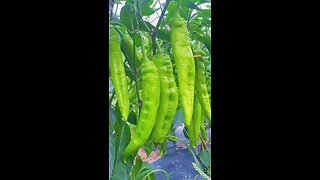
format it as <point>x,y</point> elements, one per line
<point>160,93</point>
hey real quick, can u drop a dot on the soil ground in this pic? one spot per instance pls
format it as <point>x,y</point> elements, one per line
<point>177,161</point>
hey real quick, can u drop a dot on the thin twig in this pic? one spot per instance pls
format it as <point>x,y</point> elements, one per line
<point>154,33</point>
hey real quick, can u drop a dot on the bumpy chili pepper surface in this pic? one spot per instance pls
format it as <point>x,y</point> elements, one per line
<point>168,97</point>
<point>201,87</point>
<point>184,60</point>
<point>118,75</point>
<point>150,104</point>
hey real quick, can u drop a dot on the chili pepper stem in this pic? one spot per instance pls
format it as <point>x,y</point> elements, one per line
<point>178,8</point>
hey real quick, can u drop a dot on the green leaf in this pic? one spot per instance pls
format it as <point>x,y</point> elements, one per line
<point>173,133</point>
<point>111,149</point>
<point>205,158</point>
<point>161,34</point>
<point>119,122</point>
<point>203,1</point>
<point>150,2</point>
<point>143,3</point>
<point>129,70</point>
<point>206,22</point>
<point>185,132</point>
<point>121,170</point>
<point>147,11</point>
<point>147,40</point>
<point>129,2</point>
<point>193,6</point>
<point>184,11</point>
<point>206,40</point>
<point>137,166</point>
<point>185,3</point>
<point>148,148</point>
<point>132,117</point>
<point>195,27</point>
<point>178,119</point>
<point>145,169</point>
<point>151,176</point>
<point>193,17</point>
<point>205,13</point>
<point>163,148</point>
<point>127,17</point>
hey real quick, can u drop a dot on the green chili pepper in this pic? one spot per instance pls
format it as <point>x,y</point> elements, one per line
<point>201,87</point>
<point>151,100</point>
<point>194,127</point>
<point>202,128</point>
<point>118,75</point>
<point>168,97</point>
<point>184,61</point>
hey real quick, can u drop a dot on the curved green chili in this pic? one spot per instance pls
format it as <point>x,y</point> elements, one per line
<point>168,97</point>
<point>151,100</point>
<point>183,57</point>
<point>118,75</point>
<point>194,127</point>
<point>201,86</point>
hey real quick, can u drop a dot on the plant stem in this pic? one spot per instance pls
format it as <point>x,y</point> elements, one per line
<point>154,33</point>
<point>179,6</point>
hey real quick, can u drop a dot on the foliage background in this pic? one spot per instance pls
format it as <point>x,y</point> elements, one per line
<point>144,15</point>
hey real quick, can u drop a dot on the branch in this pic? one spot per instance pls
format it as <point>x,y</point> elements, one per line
<point>154,33</point>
